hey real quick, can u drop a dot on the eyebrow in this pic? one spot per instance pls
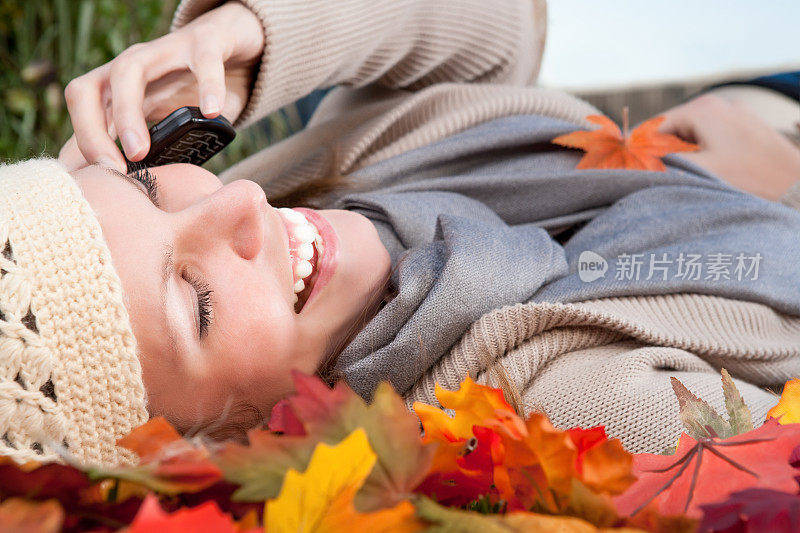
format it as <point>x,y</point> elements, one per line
<point>167,266</point>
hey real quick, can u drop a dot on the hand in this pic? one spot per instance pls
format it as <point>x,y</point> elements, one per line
<point>736,145</point>
<point>210,62</point>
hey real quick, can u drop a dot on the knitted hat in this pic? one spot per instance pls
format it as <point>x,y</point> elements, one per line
<point>69,373</point>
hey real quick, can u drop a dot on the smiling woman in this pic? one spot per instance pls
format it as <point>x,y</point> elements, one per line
<point>209,291</point>
<point>210,272</point>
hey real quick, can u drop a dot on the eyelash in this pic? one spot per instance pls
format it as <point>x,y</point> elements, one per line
<point>203,302</point>
<point>141,174</point>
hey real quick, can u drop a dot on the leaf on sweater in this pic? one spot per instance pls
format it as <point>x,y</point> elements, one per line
<point>708,470</point>
<point>321,498</point>
<point>787,411</point>
<point>754,511</point>
<point>205,518</point>
<point>702,421</point>
<point>23,516</point>
<point>739,417</point>
<point>608,147</point>
<point>328,416</point>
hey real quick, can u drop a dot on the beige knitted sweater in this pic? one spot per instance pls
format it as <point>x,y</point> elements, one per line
<point>411,72</point>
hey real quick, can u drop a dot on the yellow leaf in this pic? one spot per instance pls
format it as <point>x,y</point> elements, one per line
<point>787,411</point>
<point>321,498</point>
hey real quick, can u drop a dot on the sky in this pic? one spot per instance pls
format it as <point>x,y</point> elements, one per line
<point>596,44</point>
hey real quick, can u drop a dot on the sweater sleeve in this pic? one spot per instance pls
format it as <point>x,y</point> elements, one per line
<point>792,196</point>
<point>399,44</point>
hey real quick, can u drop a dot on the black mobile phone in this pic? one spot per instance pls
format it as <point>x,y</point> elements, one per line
<point>186,136</point>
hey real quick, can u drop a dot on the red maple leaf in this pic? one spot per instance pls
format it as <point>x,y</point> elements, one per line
<point>203,518</point>
<point>692,477</point>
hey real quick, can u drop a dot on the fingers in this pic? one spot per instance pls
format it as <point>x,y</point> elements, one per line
<point>87,110</point>
<point>129,75</point>
<point>115,97</point>
<point>208,68</point>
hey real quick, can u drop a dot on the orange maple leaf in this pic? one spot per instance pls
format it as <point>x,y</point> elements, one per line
<point>608,147</point>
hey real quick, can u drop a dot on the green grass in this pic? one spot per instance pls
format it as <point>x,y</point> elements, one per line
<point>46,43</point>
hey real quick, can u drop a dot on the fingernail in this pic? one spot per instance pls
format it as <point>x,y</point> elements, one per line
<point>210,104</point>
<point>131,143</point>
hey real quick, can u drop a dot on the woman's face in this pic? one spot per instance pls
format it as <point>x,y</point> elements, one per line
<point>203,236</point>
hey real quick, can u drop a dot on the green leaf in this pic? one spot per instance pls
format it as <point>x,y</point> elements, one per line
<point>739,417</point>
<point>700,419</point>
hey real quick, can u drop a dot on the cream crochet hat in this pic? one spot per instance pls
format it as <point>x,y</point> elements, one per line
<point>70,378</point>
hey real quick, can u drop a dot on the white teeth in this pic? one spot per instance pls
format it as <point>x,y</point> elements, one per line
<point>304,237</point>
<point>292,216</point>
<point>305,251</point>
<point>299,286</point>
<point>302,269</point>
<point>305,233</point>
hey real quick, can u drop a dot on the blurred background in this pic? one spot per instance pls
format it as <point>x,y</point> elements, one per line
<point>647,55</point>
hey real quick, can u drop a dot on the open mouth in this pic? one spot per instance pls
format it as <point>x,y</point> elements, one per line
<point>305,250</point>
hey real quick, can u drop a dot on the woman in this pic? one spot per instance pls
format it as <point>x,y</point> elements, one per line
<point>444,202</point>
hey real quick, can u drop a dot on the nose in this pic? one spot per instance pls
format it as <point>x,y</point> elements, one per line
<point>234,214</point>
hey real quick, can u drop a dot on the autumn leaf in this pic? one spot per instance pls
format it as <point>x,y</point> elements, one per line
<point>321,498</point>
<point>740,419</point>
<point>603,465</point>
<point>702,421</point>
<point>83,502</point>
<point>754,511</point>
<point>152,438</point>
<point>694,476</point>
<point>205,518</point>
<point>487,451</point>
<point>443,519</point>
<point>23,516</point>
<point>328,416</point>
<point>608,147</point>
<point>169,464</point>
<point>787,411</point>
<point>472,404</point>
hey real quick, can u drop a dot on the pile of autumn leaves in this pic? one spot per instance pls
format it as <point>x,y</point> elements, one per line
<point>331,462</point>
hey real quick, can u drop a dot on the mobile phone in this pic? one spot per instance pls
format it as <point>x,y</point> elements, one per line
<point>186,136</point>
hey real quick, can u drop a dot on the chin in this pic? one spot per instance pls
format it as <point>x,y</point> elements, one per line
<point>364,262</point>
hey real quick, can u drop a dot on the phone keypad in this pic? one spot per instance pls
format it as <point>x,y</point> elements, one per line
<point>196,147</point>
